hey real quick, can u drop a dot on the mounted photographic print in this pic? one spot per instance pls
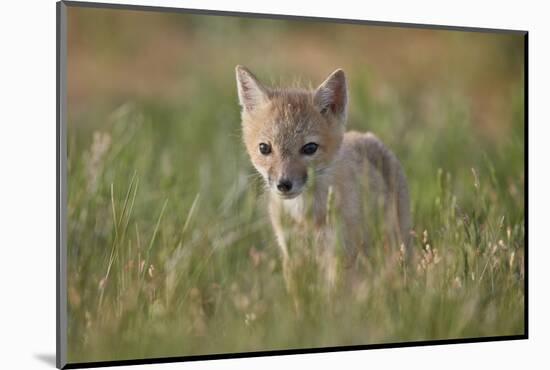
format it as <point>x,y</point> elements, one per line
<point>235,184</point>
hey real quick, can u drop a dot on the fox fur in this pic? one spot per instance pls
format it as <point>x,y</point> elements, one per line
<point>280,124</point>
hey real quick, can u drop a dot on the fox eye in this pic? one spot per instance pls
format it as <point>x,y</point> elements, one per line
<point>309,148</point>
<point>265,149</point>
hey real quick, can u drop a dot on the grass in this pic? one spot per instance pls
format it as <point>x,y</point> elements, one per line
<point>170,252</point>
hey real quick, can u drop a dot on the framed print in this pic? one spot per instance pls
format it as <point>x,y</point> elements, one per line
<point>235,184</point>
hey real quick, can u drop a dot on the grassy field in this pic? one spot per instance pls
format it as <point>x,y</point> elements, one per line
<point>170,251</point>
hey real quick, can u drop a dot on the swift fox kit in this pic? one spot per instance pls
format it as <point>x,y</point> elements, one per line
<point>294,134</point>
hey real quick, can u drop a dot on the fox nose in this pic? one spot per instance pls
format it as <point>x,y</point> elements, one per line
<point>284,185</point>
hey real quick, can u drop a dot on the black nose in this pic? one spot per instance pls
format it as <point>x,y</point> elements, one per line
<point>284,186</point>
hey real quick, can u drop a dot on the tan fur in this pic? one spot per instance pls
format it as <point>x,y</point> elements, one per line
<point>352,164</point>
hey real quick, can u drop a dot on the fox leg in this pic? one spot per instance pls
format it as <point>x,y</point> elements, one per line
<point>324,241</point>
<point>354,229</point>
<point>324,234</point>
<point>275,215</point>
<point>278,229</point>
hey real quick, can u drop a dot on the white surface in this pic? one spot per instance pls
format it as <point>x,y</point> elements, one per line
<point>27,182</point>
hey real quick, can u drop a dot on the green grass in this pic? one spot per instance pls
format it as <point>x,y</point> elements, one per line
<point>170,251</point>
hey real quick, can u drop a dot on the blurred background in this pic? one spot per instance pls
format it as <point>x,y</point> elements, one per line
<point>170,252</point>
<point>116,56</point>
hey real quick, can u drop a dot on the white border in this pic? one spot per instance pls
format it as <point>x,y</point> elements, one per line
<point>27,181</point>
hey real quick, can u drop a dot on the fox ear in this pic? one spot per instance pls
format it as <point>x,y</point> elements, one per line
<point>332,95</point>
<point>251,92</point>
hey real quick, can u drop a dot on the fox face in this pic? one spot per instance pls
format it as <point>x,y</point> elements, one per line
<point>289,131</point>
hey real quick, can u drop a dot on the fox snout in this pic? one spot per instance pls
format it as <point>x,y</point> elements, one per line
<point>288,186</point>
<point>284,185</point>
